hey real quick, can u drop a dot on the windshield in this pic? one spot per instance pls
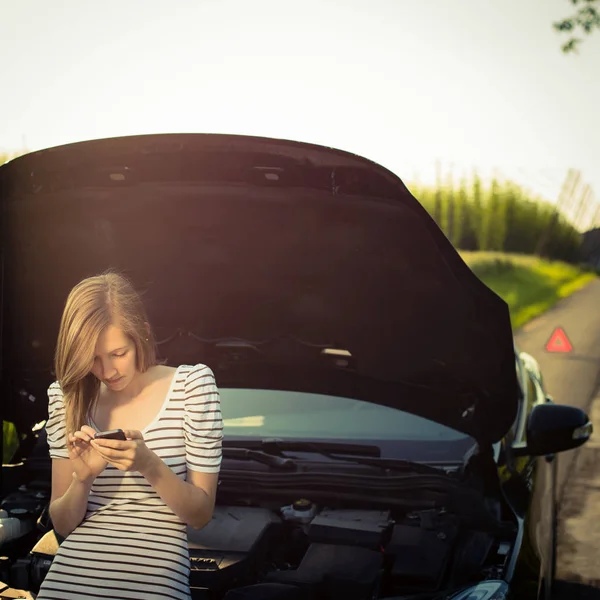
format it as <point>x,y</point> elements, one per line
<point>259,414</point>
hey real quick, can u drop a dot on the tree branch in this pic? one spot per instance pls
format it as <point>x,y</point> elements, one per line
<point>586,19</point>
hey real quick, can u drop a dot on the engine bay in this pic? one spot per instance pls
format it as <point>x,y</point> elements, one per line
<point>313,542</point>
<point>300,550</point>
<point>305,551</point>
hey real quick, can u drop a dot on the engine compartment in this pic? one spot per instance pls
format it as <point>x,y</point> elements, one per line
<point>306,551</point>
<point>300,550</point>
<point>319,546</point>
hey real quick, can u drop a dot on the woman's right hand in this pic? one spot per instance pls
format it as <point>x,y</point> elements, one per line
<point>87,463</point>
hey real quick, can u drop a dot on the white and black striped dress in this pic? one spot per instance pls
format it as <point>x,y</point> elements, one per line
<point>130,544</point>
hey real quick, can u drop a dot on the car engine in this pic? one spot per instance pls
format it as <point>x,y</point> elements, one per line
<point>295,551</point>
<point>289,547</point>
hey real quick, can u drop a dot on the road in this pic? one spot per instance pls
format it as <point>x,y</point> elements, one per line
<point>571,378</point>
<point>574,378</point>
<point>579,530</point>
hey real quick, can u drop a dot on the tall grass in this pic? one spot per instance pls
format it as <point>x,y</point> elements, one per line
<point>499,217</point>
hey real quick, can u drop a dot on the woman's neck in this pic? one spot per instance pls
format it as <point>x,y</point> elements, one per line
<point>134,389</point>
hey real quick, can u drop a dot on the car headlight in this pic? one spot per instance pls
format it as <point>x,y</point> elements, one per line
<point>486,590</point>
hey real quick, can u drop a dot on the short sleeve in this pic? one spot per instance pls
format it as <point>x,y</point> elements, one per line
<point>202,422</point>
<point>56,424</point>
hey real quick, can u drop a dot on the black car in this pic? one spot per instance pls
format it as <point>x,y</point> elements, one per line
<point>383,437</point>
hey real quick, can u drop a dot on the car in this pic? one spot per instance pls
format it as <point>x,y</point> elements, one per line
<point>383,436</point>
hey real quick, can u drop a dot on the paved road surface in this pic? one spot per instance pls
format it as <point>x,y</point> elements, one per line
<point>574,378</point>
<point>569,378</point>
<point>579,530</point>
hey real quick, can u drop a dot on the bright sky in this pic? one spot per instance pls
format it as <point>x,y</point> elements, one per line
<point>404,82</point>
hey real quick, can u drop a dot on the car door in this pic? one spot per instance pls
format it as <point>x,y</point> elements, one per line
<point>537,478</point>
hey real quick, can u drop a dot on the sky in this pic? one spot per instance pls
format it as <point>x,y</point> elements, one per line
<point>470,83</point>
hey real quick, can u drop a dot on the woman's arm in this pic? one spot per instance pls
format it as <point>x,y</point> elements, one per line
<point>193,501</point>
<point>68,503</point>
<point>68,500</point>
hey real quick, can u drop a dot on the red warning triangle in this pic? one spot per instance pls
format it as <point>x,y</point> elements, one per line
<point>559,342</point>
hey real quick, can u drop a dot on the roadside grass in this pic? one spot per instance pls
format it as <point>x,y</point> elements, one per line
<point>528,284</point>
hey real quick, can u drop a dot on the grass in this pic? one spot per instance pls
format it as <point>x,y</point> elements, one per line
<point>528,284</point>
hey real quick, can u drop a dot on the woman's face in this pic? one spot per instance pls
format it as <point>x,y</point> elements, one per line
<point>114,361</point>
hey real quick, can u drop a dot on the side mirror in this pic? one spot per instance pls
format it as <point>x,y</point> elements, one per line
<point>553,428</point>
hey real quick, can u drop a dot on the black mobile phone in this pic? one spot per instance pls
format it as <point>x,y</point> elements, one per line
<point>113,434</point>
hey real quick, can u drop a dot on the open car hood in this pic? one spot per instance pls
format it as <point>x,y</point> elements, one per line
<point>280,264</point>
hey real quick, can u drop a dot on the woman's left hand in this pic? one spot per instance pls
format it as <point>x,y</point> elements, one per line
<point>129,455</point>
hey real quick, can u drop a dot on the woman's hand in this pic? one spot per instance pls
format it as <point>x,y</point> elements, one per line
<point>130,455</point>
<point>87,462</point>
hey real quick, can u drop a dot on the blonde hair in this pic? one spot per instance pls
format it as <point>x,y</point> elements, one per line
<point>92,305</point>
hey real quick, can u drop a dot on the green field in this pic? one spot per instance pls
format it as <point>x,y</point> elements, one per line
<point>528,284</point>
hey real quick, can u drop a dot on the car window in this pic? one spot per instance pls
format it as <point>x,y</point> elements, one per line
<point>272,413</point>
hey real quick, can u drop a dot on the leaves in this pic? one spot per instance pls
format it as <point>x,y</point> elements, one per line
<point>10,442</point>
<point>586,19</point>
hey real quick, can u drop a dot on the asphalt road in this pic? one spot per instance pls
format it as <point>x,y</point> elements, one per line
<point>574,378</point>
<point>571,378</point>
<point>579,522</point>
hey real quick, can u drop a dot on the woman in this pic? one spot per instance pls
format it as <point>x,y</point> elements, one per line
<point>123,506</point>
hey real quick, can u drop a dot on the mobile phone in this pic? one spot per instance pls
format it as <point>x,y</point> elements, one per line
<point>113,434</point>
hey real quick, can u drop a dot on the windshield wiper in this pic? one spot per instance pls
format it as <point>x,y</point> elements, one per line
<point>367,455</point>
<point>272,460</point>
<point>278,445</point>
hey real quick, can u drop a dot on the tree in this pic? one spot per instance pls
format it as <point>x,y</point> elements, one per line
<point>586,18</point>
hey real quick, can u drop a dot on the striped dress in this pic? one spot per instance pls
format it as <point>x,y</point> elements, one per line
<point>131,545</point>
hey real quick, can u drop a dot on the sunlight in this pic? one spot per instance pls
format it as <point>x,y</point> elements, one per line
<point>256,421</point>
